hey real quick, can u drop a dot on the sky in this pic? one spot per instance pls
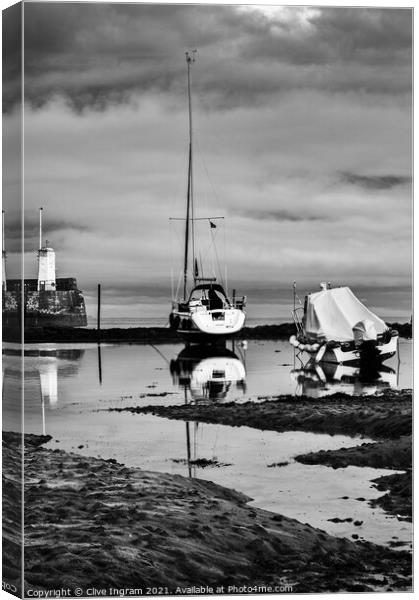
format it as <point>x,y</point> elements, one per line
<point>302,141</point>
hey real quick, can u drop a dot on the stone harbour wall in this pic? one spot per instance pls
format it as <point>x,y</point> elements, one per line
<point>46,308</point>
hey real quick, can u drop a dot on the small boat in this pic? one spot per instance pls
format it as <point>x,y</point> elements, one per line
<point>205,313</point>
<point>334,326</point>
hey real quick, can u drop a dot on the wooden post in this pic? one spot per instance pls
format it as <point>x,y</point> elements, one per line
<point>98,312</point>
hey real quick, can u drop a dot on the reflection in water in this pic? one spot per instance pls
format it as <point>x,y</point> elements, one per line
<point>42,370</point>
<point>322,379</point>
<point>235,457</point>
<point>208,373</point>
<point>99,363</point>
<point>48,376</point>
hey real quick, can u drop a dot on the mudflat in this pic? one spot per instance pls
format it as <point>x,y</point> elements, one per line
<point>95,523</point>
<point>385,417</point>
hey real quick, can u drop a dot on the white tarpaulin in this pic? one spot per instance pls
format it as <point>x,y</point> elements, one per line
<point>364,330</point>
<point>332,315</point>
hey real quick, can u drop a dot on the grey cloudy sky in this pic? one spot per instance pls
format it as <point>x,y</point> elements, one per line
<point>303,141</point>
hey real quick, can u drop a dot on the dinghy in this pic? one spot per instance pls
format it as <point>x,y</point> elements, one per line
<point>335,326</point>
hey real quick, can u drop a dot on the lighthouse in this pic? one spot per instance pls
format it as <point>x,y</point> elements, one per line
<point>46,263</point>
<point>3,257</point>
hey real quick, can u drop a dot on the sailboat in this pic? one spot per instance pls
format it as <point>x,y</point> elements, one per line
<point>205,313</point>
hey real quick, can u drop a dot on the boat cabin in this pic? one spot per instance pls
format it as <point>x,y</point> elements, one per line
<point>210,295</point>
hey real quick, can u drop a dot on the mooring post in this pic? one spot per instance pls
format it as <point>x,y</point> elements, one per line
<point>98,312</point>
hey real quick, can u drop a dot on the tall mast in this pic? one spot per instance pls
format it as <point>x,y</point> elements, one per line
<point>40,228</point>
<point>190,58</point>
<point>2,232</point>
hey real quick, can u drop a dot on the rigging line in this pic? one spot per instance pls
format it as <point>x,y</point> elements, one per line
<point>172,284</point>
<point>195,218</point>
<point>174,233</point>
<point>179,183</point>
<point>178,285</point>
<point>217,260</point>
<point>161,354</point>
<point>201,156</point>
<point>202,268</point>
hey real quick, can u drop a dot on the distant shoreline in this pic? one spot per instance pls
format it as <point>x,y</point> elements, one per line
<point>155,335</point>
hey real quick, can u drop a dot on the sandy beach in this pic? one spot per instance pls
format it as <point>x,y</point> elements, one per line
<point>93,523</point>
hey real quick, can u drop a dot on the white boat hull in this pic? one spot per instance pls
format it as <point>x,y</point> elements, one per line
<point>338,355</point>
<point>209,326</point>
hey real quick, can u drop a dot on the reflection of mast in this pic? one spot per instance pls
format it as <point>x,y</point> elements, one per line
<point>188,440</point>
<point>4,278</point>
<point>99,363</point>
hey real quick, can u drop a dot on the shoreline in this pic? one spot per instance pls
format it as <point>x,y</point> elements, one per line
<point>385,417</point>
<point>108,526</point>
<point>155,335</point>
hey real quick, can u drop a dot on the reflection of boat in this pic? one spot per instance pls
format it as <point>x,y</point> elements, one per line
<point>322,379</point>
<point>205,314</point>
<point>336,327</point>
<point>208,372</point>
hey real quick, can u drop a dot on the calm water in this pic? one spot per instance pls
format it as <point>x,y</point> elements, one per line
<point>67,388</point>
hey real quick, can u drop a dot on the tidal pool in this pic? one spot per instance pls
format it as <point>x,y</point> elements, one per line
<point>68,387</point>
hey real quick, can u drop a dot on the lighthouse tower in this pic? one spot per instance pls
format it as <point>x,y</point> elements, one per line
<point>46,260</point>
<point>4,279</point>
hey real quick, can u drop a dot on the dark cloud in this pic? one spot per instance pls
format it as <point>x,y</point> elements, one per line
<point>11,56</point>
<point>54,229</point>
<point>318,118</point>
<point>346,35</point>
<point>96,55</point>
<point>374,182</point>
<point>283,215</point>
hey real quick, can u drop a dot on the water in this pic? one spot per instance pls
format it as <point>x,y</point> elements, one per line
<point>68,386</point>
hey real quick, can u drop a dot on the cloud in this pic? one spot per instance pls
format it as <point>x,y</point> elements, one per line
<point>283,215</point>
<point>56,227</point>
<point>374,182</point>
<point>11,56</point>
<point>299,116</point>
<point>99,55</point>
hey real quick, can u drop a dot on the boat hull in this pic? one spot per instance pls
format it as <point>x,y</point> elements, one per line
<point>338,355</point>
<point>211,327</point>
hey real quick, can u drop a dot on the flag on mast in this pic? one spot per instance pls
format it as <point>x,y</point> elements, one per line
<point>213,225</point>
